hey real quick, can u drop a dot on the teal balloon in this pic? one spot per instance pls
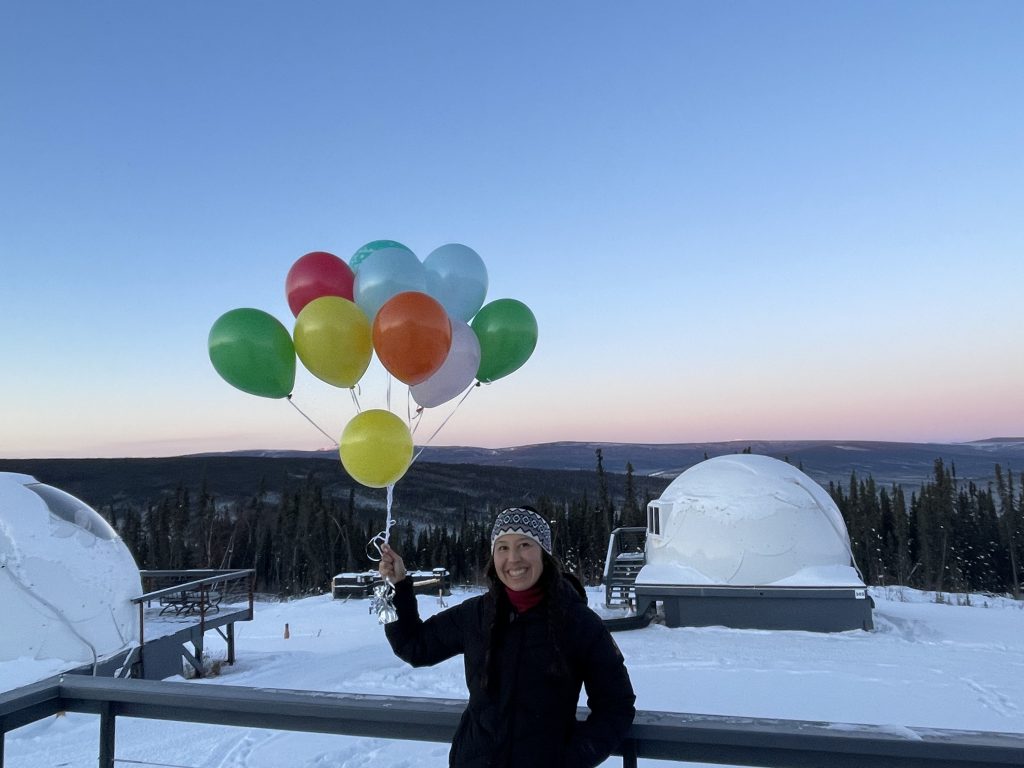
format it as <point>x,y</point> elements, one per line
<point>507,331</point>
<point>384,274</point>
<point>252,351</point>
<point>370,248</point>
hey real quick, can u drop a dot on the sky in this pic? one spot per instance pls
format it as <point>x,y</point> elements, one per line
<point>926,664</point>
<point>732,221</point>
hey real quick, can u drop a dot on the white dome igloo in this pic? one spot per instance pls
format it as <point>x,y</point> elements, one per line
<point>747,520</point>
<point>66,578</point>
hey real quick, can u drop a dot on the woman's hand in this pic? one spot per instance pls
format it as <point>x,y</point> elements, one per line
<point>391,567</point>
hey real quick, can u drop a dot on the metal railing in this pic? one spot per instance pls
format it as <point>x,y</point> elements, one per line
<point>205,588</point>
<point>196,594</point>
<point>654,735</point>
<point>625,557</point>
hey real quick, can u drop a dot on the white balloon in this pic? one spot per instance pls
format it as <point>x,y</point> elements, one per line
<point>456,372</point>
<point>386,273</point>
<point>457,277</point>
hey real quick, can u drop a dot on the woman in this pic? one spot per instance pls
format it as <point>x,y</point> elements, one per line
<point>528,644</point>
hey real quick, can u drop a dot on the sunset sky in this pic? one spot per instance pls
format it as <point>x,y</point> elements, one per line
<point>732,220</point>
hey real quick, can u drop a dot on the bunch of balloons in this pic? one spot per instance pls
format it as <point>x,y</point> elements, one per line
<point>425,320</point>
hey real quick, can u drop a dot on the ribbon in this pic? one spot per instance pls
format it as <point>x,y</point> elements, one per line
<point>383,603</point>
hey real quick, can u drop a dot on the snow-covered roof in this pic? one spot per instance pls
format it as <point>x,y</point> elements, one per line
<point>748,520</point>
<point>66,578</point>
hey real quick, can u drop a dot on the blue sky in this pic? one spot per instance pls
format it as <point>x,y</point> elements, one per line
<point>732,220</point>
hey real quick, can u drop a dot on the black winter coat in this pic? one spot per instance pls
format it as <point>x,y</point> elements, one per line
<point>522,698</point>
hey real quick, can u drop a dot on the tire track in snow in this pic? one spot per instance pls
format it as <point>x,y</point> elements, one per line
<point>991,698</point>
<point>239,755</point>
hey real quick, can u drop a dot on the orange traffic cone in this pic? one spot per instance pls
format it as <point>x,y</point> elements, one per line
<point>287,634</point>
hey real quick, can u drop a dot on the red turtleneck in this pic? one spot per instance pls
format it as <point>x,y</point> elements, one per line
<point>526,599</point>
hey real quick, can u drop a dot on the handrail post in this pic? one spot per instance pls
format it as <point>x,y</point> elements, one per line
<point>629,753</point>
<point>204,596</point>
<point>142,643</point>
<point>106,735</point>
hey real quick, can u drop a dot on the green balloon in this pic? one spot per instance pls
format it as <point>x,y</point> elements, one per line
<point>252,351</point>
<point>507,331</point>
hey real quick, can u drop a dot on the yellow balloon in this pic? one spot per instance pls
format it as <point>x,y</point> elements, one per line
<point>333,339</point>
<point>376,448</point>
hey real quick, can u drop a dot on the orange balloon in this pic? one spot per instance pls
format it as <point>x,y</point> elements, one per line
<point>412,335</point>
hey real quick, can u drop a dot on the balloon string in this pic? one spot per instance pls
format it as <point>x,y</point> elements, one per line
<point>292,402</point>
<point>355,399</point>
<point>414,417</point>
<point>382,538</point>
<point>441,425</point>
<point>389,521</point>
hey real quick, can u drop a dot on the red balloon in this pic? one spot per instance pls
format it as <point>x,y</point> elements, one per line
<point>412,335</point>
<point>314,275</point>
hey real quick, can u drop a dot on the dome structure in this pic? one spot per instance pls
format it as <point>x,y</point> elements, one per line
<point>747,520</point>
<point>66,578</point>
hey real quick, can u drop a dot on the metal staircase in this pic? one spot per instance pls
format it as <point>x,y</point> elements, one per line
<point>626,556</point>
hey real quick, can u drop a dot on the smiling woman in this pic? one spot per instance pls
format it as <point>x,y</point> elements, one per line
<point>530,644</point>
<point>516,542</point>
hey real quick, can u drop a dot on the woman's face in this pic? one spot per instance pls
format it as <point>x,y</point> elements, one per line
<point>517,559</point>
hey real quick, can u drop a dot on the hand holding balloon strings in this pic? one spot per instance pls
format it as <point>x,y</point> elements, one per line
<point>391,568</point>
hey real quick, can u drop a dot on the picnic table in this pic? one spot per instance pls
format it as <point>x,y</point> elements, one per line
<point>190,602</point>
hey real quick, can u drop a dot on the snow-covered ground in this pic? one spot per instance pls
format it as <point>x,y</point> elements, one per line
<point>927,664</point>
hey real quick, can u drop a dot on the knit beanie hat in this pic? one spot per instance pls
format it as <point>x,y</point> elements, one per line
<point>526,522</point>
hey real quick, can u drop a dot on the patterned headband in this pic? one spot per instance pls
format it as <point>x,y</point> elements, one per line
<point>525,522</point>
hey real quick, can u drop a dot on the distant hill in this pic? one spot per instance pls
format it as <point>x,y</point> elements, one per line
<point>909,464</point>
<point>429,492</point>
<point>449,480</point>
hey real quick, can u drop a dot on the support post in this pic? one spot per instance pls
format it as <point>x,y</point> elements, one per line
<point>629,753</point>
<point>106,735</point>
<point>142,643</point>
<point>204,596</point>
<point>231,646</point>
<point>252,592</point>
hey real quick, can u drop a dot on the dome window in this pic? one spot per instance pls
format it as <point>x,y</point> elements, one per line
<point>66,507</point>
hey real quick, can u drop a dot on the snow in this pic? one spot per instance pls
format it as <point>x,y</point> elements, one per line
<point>671,573</point>
<point>66,579</point>
<point>745,520</point>
<point>812,576</point>
<point>820,576</point>
<point>927,664</point>
<point>931,662</point>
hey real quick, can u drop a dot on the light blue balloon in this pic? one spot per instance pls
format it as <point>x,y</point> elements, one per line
<point>457,278</point>
<point>372,247</point>
<point>385,273</point>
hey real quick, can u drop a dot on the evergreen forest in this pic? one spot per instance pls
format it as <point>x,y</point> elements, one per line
<point>949,535</point>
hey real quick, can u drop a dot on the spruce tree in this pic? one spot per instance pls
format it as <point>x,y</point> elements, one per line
<point>1010,514</point>
<point>631,513</point>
